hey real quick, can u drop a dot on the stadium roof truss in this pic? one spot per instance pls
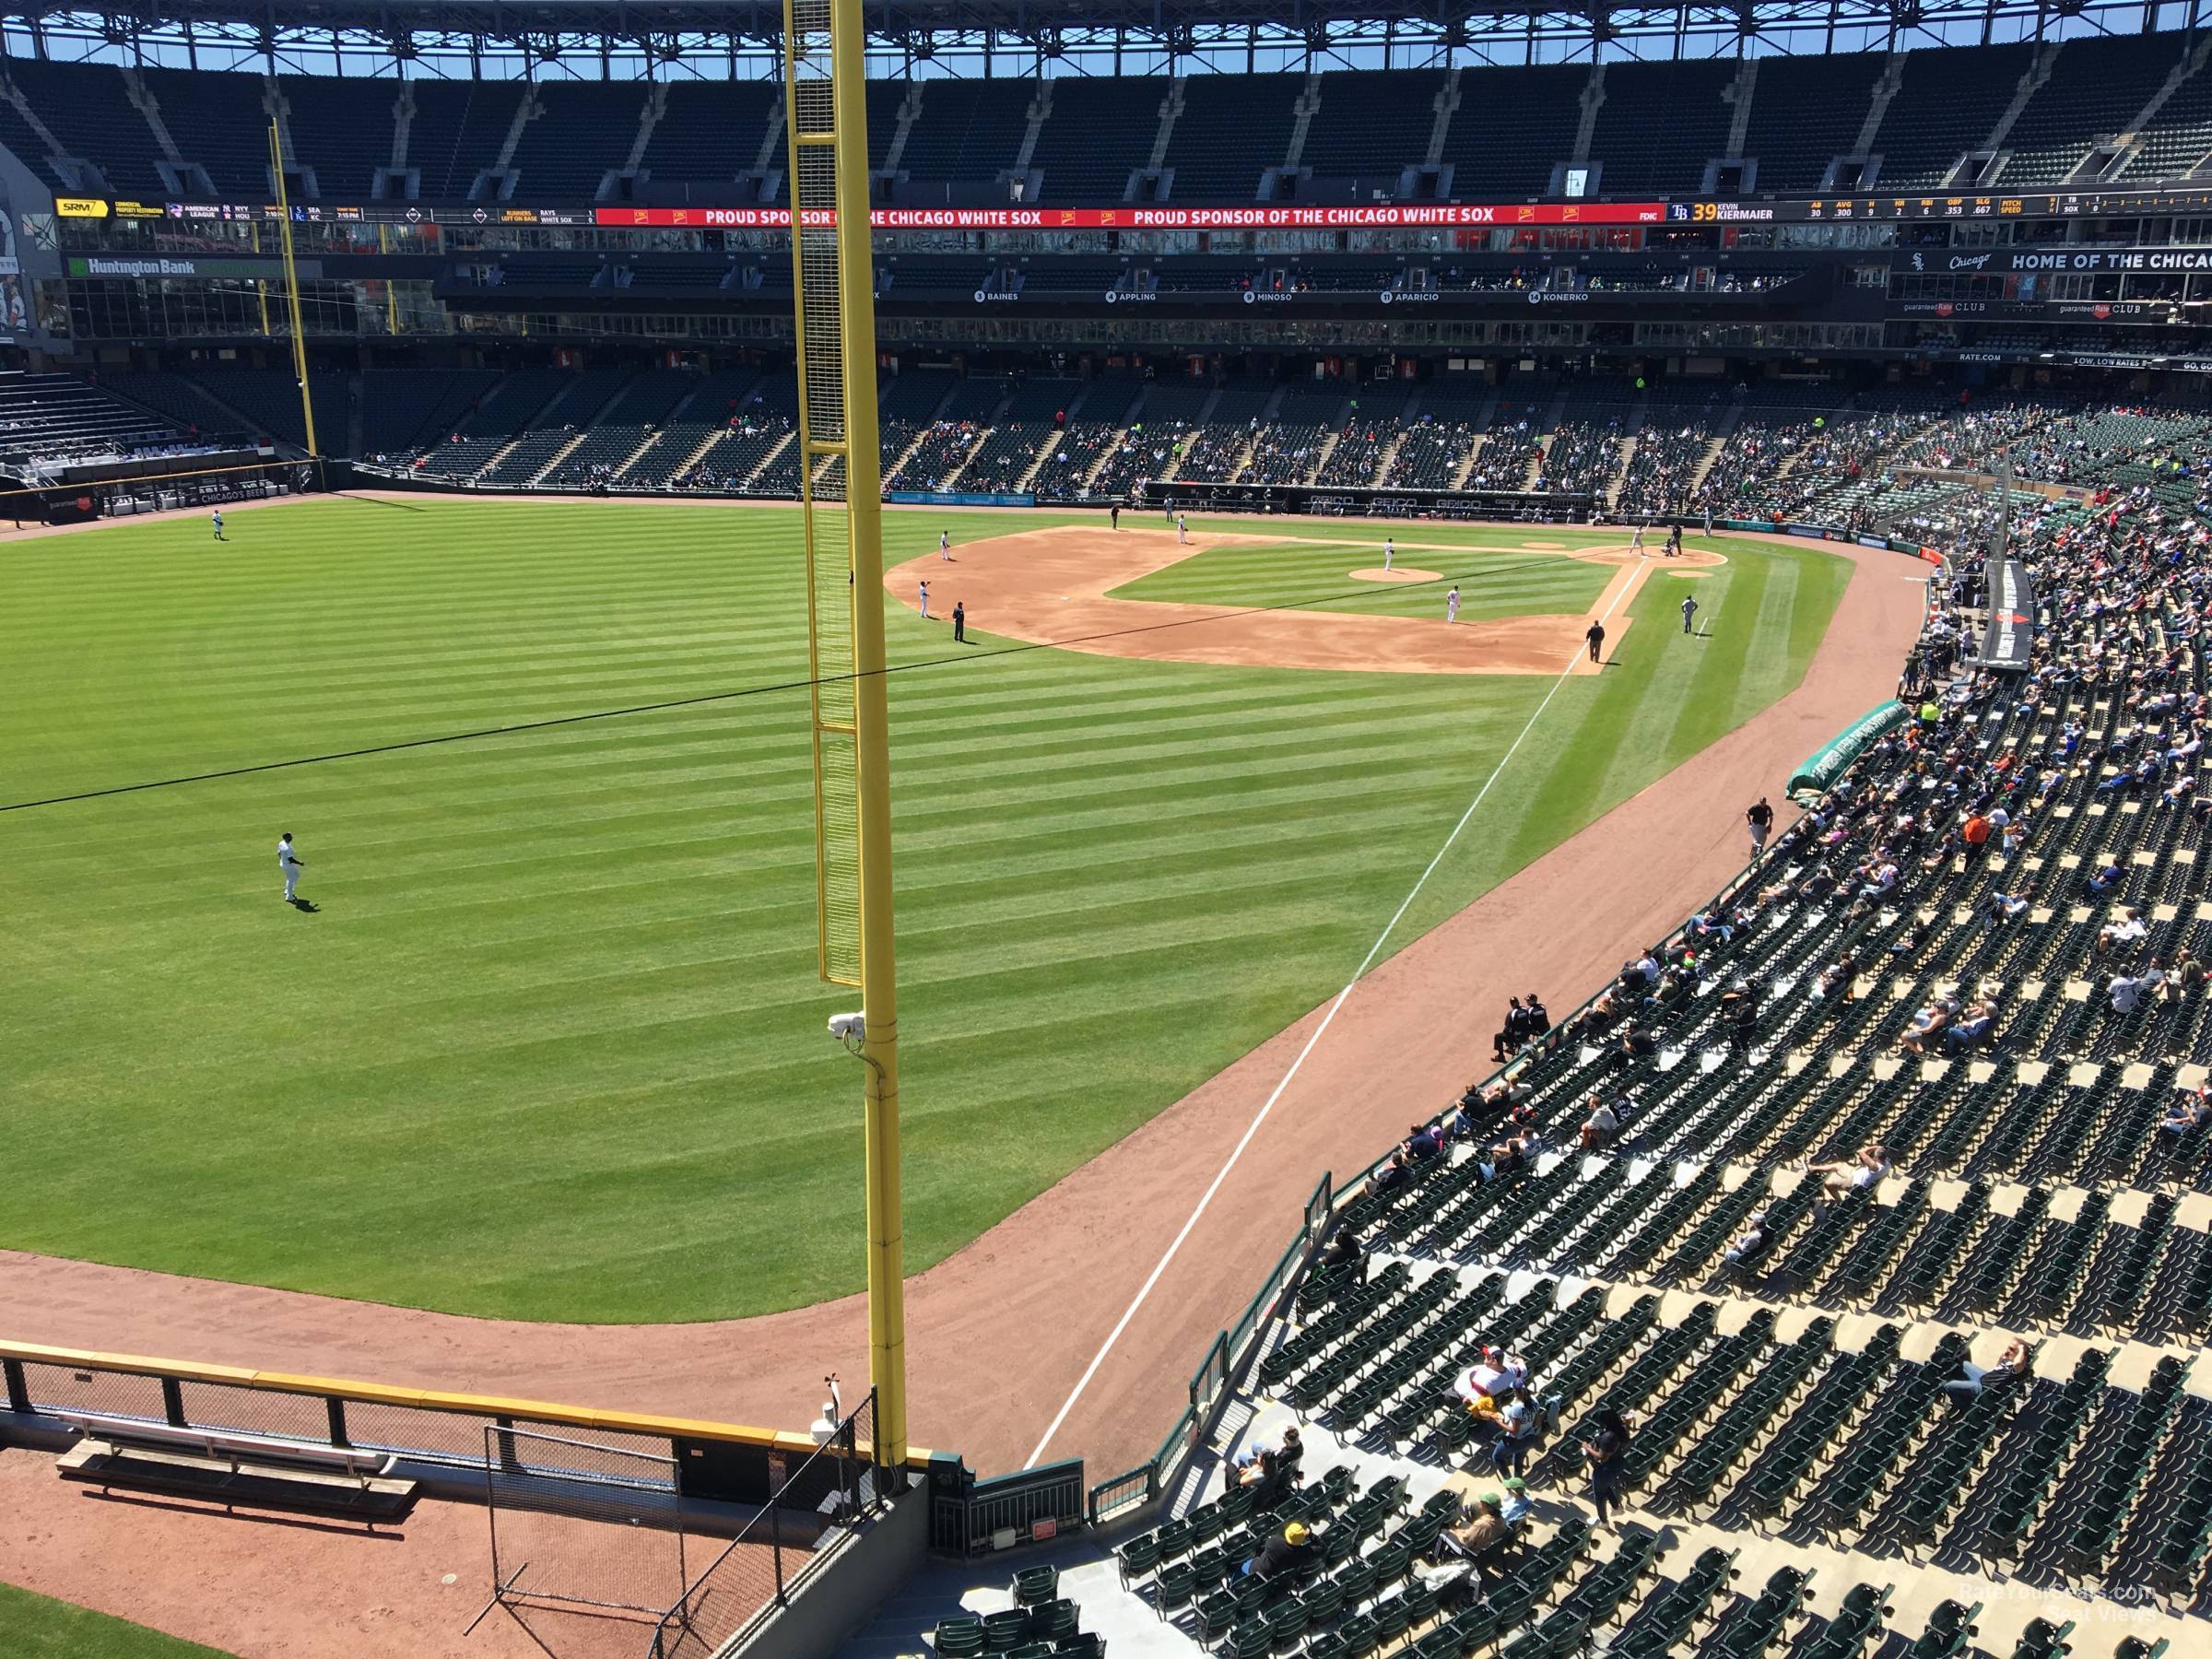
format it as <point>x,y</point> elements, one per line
<point>622,40</point>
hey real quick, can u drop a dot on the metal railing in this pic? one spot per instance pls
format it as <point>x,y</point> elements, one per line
<point>773,1554</point>
<point>968,1516</point>
<point>1217,1375</point>
<point>727,1462</point>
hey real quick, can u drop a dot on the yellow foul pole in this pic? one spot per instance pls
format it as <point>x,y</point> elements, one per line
<point>841,487</point>
<point>291,288</point>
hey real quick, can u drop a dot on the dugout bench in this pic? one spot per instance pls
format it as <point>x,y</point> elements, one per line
<point>215,1465</point>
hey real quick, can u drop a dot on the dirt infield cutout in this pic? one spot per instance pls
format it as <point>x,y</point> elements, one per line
<point>1052,587</point>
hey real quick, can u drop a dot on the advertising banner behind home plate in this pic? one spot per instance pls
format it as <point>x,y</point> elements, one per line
<point>2011,631</point>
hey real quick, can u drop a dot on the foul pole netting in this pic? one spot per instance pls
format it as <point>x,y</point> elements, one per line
<point>838,467</point>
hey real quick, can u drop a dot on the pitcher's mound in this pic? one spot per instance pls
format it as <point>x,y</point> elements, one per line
<point>1398,574</point>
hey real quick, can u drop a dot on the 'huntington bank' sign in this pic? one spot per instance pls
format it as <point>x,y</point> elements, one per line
<point>150,264</point>
<point>2010,634</point>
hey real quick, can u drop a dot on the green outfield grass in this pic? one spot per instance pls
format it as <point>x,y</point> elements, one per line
<point>37,1627</point>
<point>1493,581</point>
<point>552,1046</point>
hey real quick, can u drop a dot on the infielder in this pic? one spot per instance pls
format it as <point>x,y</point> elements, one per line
<point>288,861</point>
<point>1183,531</point>
<point>944,545</point>
<point>1689,609</point>
<point>925,602</point>
<point>1452,606</point>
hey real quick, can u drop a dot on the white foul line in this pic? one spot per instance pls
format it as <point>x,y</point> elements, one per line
<point>1329,1019</point>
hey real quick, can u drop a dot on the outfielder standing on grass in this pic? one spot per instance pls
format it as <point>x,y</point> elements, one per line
<point>219,526</point>
<point>288,861</point>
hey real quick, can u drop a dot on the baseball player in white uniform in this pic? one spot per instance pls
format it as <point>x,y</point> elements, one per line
<point>288,861</point>
<point>925,602</point>
<point>1390,551</point>
<point>1183,531</point>
<point>945,545</point>
<point>219,526</point>
<point>1636,541</point>
<point>1452,606</point>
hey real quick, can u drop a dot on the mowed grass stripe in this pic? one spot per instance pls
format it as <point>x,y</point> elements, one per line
<point>552,1048</point>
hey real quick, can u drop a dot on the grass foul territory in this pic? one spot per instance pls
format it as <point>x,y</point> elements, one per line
<point>549,1045</point>
<point>36,1627</point>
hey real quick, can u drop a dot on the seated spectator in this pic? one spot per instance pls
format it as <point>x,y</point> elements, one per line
<point>1495,1372</point>
<point>1926,1024</point>
<point>1636,1044</point>
<point>2105,877</point>
<point>1967,1032</point>
<point>1422,1143</point>
<point>1343,1250</point>
<point>1286,1451</point>
<point>2191,1110</point>
<point>1539,1018</point>
<point>1516,1508</point>
<point>1509,1157</point>
<point>1288,1553</point>
<point>1750,1241</point>
<point>2011,1369</point>
<point>1878,880</point>
<point>1480,1529</point>
<point>1507,1039</point>
<point>1393,1175</point>
<point>2127,993</point>
<point>1868,1168</point>
<point>1601,1126</point>
<point>2188,974</point>
<point>1264,1474</point>
<point>1838,978</point>
<point>2129,928</point>
<point>2004,907</point>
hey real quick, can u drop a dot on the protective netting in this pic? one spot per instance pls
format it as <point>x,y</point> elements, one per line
<point>583,1522</point>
